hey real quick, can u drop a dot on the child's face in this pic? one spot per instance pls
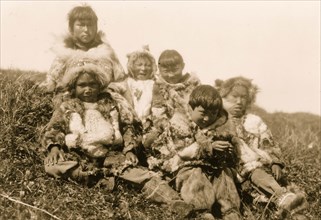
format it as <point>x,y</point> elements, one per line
<point>203,118</point>
<point>142,68</point>
<point>87,88</point>
<point>84,31</point>
<point>172,74</point>
<point>236,102</point>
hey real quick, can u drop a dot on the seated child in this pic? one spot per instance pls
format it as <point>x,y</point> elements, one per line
<point>83,38</point>
<point>170,92</point>
<point>138,87</point>
<point>90,129</point>
<point>260,155</point>
<point>187,152</point>
<point>213,181</point>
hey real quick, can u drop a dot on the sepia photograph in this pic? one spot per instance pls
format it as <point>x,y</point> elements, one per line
<point>160,110</point>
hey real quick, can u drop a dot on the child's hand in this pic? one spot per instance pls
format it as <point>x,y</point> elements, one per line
<point>132,157</point>
<point>277,171</point>
<point>54,156</point>
<point>222,146</point>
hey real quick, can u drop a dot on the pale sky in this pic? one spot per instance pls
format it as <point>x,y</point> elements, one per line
<point>275,43</point>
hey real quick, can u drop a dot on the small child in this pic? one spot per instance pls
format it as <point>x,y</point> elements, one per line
<point>92,128</point>
<point>187,151</point>
<point>260,155</point>
<point>83,39</point>
<point>207,177</point>
<point>170,92</point>
<point>138,87</point>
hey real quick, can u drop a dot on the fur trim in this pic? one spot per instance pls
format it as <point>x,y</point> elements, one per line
<point>225,87</point>
<point>175,96</point>
<point>71,42</point>
<point>79,65</point>
<point>133,56</point>
<point>65,48</point>
<point>68,56</point>
<point>187,80</point>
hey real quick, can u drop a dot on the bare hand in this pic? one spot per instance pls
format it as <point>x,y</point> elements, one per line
<point>132,157</point>
<point>277,171</point>
<point>54,156</point>
<point>222,146</point>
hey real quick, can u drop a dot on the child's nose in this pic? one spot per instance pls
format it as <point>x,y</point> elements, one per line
<point>88,89</point>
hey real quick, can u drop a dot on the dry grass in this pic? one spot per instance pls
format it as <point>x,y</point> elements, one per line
<point>26,192</point>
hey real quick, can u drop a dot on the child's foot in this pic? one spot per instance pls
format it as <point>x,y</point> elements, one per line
<point>232,214</point>
<point>181,208</point>
<point>288,203</point>
<point>107,183</point>
<point>206,216</point>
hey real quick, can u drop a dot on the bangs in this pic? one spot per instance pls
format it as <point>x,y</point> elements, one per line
<point>168,62</point>
<point>170,58</point>
<point>85,15</point>
<point>82,13</point>
<point>207,97</point>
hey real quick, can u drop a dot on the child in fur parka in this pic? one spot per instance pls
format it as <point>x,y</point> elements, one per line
<point>170,92</point>
<point>83,38</point>
<point>138,86</point>
<point>92,128</point>
<point>200,161</point>
<point>259,154</point>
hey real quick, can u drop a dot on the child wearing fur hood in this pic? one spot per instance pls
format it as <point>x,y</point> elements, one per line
<point>138,86</point>
<point>92,129</point>
<point>260,156</point>
<point>83,38</point>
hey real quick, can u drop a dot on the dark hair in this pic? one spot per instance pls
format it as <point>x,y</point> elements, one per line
<point>225,87</point>
<point>207,97</point>
<point>170,58</point>
<point>84,12</point>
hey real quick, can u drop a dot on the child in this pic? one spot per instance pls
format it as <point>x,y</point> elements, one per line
<point>92,128</point>
<point>83,39</point>
<point>170,92</point>
<point>138,87</point>
<point>259,154</point>
<point>206,177</point>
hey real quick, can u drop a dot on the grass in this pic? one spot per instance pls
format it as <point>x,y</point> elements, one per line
<point>26,192</point>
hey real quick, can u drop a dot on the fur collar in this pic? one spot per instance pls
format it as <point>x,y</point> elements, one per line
<point>71,42</point>
<point>187,80</point>
<point>65,47</point>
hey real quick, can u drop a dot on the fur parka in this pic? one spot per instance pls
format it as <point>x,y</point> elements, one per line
<point>66,127</point>
<point>100,50</point>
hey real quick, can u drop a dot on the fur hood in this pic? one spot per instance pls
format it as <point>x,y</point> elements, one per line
<point>78,64</point>
<point>133,56</point>
<point>225,87</point>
